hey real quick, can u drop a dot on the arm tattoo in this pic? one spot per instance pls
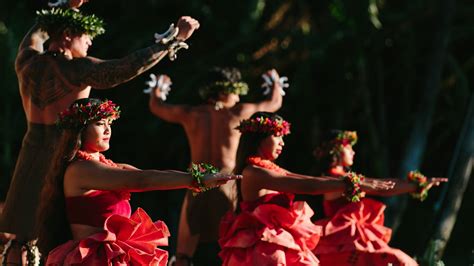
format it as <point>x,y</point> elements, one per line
<point>110,73</point>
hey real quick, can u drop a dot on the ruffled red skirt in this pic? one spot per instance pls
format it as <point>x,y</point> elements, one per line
<point>273,230</point>
<point>124,241</point>
<point>355,235</point>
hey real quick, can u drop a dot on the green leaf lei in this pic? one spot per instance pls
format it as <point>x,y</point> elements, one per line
<point>240,88</point>
<point>58,19</point>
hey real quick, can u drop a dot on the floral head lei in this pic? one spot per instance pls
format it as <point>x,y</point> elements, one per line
<point>227,87</point>
<point>334,147</point>
<point>58,19</point>
<point>79,115</point>
<point>265,125</point>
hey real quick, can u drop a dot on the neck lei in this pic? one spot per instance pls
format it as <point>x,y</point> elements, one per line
<point>267,164</point>
<point>87,157</point>
<point>82,155</point>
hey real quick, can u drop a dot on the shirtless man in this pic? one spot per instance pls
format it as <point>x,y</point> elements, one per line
<point>49,82</point>
<point>210,129</point>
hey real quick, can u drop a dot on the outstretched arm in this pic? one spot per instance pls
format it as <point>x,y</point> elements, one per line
<point>104,74</point>
<point>89,175</point>
<point>369,185</point>
<point>264,179</point>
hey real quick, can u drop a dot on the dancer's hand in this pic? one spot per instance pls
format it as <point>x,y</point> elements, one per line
<point>215,180</point>
<point>436,181</point>
<point>272,80</point>
<point>273,74</point>
<point>186,26</point>
<point>158,86</point>
<point>163,87</point>
<point>373,185</point>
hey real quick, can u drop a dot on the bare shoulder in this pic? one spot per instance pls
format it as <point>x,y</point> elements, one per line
<point>25,56</point>
<point>79,168</point>
<point>31,60</point>
<point>253,171</point>
<point>201,111</point>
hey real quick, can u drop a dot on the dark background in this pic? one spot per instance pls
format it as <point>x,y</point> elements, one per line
<point>368,66</point>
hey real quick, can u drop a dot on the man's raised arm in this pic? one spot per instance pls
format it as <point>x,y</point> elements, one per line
<point>159,87</point>
<point>274,92</point>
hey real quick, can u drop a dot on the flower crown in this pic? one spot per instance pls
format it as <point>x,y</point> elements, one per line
<point>79,115</point>
<point>333,147</point>
<point>346,137</point>
<point>240,88</point>
<point>58,19</point>
<point>266,125</point>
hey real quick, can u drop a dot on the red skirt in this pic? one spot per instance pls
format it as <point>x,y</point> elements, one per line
<point>272,231</point>
<point>355,235</point>
<point>124,241</point>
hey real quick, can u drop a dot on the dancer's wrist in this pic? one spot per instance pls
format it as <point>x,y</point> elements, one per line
<point>169,41</point>
<point>353,191</point>
<point>421,181</point>
<point>198,173</point>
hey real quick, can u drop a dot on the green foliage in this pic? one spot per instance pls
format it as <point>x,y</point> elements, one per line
<point>58,20</point>
<point>240,88</point>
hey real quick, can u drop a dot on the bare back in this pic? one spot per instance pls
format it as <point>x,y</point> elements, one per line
<point>212,135</point>
<point>44,91</point>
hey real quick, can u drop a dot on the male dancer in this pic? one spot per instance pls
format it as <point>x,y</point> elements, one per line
<point>210,129</point>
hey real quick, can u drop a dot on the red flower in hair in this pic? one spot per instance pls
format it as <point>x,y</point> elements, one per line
<point>277,127</point>
<point>79,115</point>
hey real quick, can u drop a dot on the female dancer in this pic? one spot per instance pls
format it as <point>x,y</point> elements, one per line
<point>353,232</point>
<point>85,210</point>
<point>271,228</point>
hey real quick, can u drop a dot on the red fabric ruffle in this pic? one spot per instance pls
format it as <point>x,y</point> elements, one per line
<point>356,235</point>
<point>271,231</point>
<point>124,241</point>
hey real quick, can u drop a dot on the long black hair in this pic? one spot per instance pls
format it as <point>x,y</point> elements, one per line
<point>248,146</point>
<point>53,227</point>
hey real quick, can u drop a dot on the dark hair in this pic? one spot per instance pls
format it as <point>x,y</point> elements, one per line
<point>248,146</point>
<point>229,74</point>
<point>326,160</point>
<point>53,227</point>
